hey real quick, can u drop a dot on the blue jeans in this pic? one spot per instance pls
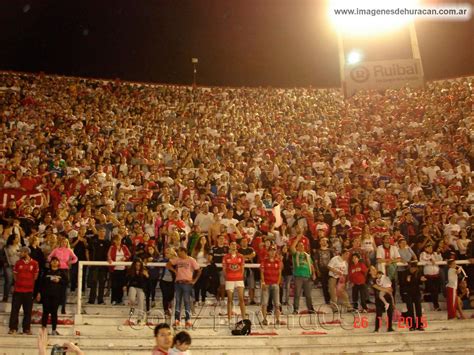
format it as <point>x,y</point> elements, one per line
<point>8,282</point>
<point>182,292</point>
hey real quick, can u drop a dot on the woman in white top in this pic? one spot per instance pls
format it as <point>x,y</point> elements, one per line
<point>201,254</point>
<point>432,274</point>
<point>463,243</point>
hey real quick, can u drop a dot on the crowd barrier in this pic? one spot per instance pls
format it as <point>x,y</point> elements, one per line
<point>128,263</point>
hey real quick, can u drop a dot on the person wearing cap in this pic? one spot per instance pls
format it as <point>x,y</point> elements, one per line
<point>25,273</point>
<point>412,281</point>
<point>270,278</point>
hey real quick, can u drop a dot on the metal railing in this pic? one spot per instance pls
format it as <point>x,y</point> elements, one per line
<point>252,266</point>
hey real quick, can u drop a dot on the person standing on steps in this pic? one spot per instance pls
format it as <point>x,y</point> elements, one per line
<point>184,268</point>
<point>51,293</point>
<point>66,257</point>
<point>117,252</point>
<point>98,250</point>
<point>270,279</point>
<point>412,282</point>
<point>25,273</point>
<point>233,266</point>
<point>338,271</point>
<point>379,305</point>
<point>303,272</point>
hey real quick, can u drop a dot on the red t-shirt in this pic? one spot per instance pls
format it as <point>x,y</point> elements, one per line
<point>234,267</point>
<point>25,275</point>
<point>357,273</point>
<point>271,271</point>
<point>355,232</point>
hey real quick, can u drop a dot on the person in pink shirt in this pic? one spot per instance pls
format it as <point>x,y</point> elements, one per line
<point>187,271</point>
<point>66,257</point>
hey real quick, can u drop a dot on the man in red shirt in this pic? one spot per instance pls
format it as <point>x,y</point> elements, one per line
<point>270,276</point>
<point>25,273</point>
<point>233,266</point>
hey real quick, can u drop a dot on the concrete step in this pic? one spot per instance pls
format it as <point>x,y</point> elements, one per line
<point>349,339</point>
<point>419,347</point>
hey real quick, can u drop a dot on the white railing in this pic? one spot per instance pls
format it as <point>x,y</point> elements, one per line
<point>121,263</point>
<point>128,263</point>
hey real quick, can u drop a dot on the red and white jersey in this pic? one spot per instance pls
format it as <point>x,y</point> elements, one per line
<point>233,266</point>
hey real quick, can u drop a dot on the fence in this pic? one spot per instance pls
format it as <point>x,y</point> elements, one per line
<point>128,263</point>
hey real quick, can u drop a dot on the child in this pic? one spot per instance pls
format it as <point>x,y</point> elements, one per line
<point>181,344</point>
<point>383,281</point>
<point>358,276</point>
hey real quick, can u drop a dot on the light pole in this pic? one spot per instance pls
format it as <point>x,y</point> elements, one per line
<point>195,61</point>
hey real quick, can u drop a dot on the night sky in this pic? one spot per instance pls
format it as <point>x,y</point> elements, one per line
<point>282,43</point>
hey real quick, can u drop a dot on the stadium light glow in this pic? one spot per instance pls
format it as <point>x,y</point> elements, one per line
<point>354,57</point>
<point>365,21</point>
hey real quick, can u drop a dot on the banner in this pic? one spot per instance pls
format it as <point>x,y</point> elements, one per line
<point>381,75</point>
<point>6,195</point>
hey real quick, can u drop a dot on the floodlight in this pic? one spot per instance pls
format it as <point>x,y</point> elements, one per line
<point>354,57</point>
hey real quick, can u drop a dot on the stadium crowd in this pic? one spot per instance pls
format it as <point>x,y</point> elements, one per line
<point>316,188</point>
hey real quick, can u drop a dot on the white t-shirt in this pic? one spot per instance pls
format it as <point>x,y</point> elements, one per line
<point>452,278</point>
<point>338,263</point>
<point>119,256</point>
<point>384,282</point>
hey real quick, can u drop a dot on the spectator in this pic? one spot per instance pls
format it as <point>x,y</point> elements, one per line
<point>52,289</point>
<point>379,305</point>
<point>387,259</point>
<point>358,277</point>
<point>12,252</point>
<point>25,273</point>
<point>136,283</point>
<point>233,266</point>
<point>183,267</point>
<point>117,252</point>
<point>323,256</point>
<point>338,271</point>
<point>201,253</point>
<point>66,257</point>
<point>431,272</point>
<point>303,272</point>
<point>453,302</point>
<point>412,279</point>
<point>167,282</point>
<point>163,339</point>
<point>98,250</point>
<point>181,344</point>
<point>270,279</point>
<point>217,255</point>
<point>151,256</point>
